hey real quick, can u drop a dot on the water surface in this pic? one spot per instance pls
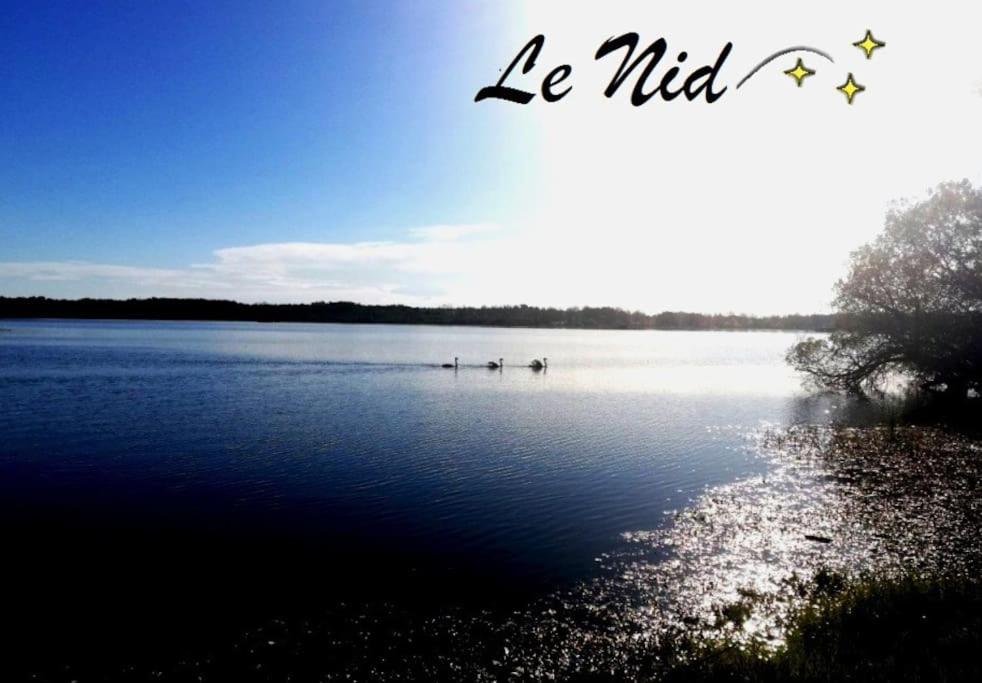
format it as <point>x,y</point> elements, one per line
<point>261,465</point>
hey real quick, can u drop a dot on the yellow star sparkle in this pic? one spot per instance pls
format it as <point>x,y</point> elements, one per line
<point>868,44</point>
<point>850,88</point>
<point>799,72</point>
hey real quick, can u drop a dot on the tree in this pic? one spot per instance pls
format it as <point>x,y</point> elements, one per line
<point>911,303</point>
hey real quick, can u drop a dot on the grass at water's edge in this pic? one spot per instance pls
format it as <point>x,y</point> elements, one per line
<point>912,629</point>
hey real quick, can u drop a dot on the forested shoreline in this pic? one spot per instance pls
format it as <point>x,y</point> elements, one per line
<point>349,312</point>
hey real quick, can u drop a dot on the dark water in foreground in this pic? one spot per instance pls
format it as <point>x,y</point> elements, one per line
<point>161,482</point>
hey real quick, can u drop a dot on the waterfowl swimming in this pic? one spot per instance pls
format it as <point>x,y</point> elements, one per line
<point>451,365</point>
<point>537,364</point>
<point>494,366</point>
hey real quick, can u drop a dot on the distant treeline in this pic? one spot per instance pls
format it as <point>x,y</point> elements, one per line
<point>348,312</point>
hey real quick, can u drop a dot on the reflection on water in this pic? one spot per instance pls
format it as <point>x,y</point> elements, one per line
<point>354,435</point>
<point>839,500</point>
<point>835,499</point>
<point>248,470</point>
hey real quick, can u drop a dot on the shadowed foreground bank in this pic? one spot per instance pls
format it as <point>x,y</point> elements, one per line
<point>347,312</point>
<point>854,558</point>
<point>907,630</point>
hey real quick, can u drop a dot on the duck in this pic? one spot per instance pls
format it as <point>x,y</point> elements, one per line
<point>537,364</point>
<point>451,365</point>
<point>495,366</point>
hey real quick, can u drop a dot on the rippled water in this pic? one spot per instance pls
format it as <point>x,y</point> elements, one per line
<point>275,465</point>
<point>326,430</point>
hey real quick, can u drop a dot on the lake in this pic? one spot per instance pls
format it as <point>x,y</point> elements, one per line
<point>156,474</point>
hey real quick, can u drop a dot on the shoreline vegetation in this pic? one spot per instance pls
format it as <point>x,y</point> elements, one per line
<point>894,597</point>
<point>600,318</point>
<point>910,628</point>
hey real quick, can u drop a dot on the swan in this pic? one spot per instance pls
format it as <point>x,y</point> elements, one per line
<point>494,366</point>
<point>451,365</point>
<point>537,364</point>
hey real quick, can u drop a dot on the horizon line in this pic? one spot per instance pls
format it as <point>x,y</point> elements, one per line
<point>629,311</point>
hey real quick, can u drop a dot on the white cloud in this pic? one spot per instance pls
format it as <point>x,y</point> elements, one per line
<point>450,232</point>
<point>369,272</point>
<point>76,271</point>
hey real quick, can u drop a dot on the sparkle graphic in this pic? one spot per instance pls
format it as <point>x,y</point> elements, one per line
<point>850,88</point>
<point>799,72</point>
<point>781,53</point>
<point>868,44</point>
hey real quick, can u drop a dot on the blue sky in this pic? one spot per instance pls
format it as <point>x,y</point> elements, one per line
<point>151,133</point>
<point>327,150</point>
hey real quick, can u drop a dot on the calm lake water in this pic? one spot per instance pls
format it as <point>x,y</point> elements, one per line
<point>153,467</point>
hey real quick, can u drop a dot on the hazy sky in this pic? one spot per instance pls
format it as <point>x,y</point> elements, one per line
<point>298,151</point>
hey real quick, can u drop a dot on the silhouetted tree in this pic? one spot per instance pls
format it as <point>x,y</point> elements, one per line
<point>911,303</point>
